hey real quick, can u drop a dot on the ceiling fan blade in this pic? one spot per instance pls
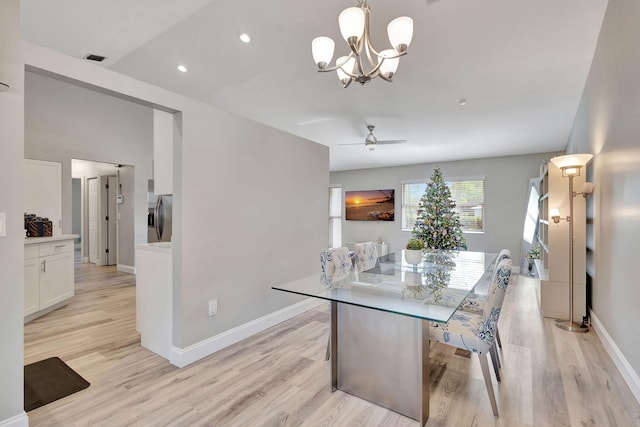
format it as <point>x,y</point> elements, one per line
<point>391,141</point>
<point>354,143</point>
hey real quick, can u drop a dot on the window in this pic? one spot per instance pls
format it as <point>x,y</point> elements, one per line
<point>335,217</point>
<point>531,218</point>
<point>468,193</point>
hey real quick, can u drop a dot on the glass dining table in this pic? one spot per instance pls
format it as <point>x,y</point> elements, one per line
<point>380,318</point>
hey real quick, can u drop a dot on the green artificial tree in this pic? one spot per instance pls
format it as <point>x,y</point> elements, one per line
<point>437,224</point>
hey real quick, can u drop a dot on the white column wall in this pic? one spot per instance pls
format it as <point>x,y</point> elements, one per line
<point>11,203</point>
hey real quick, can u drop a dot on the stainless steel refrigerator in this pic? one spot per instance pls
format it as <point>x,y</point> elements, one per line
<point>159,217</point>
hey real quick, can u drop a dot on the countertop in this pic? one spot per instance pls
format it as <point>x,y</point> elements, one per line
<point>163,247</point>
<point>33,240</point>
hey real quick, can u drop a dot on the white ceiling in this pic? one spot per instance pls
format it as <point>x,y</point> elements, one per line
<point>520,64</point>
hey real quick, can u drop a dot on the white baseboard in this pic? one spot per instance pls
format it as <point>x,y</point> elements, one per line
<point>126,269</point>
<point>20,420</point>
<point>630,376</point>
<point>182,357</point>
<point>85,259</point>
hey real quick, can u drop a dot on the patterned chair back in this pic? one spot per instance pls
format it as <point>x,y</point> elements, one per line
<point>366,255</point>
<point>505,253</point>
<point>495,298</point>
<point>335,266</point>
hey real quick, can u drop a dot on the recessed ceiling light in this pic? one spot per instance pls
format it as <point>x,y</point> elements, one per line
<point>244,37</point>
<point>182,68</point>
<point>463,101</point>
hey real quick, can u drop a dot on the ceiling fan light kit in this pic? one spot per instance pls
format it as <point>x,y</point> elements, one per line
<point>370,141</point>
<point>354,27</point>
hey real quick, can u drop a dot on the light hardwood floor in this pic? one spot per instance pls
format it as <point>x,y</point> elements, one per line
<point>279,377</point>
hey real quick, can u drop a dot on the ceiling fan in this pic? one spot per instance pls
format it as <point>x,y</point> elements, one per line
<point>371,141</point>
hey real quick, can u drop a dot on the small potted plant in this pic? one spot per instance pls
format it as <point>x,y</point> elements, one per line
<point>533,254</point>
<point>413,252</point>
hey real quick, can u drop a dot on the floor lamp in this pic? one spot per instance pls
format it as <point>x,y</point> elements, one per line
<point>570,165</point>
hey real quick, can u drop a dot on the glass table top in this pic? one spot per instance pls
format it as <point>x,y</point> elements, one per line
<point>431,290</point>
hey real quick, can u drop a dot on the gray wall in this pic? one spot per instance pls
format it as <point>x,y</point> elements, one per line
<point>253,204</point>
<point>608,125</point>
<point>506,192</point>
<point>11,203</point>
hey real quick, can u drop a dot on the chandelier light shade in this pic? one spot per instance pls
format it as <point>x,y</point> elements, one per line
<point>400,32</point>
<point>363,63</point>
<point>390,64</point>
<point>322,48</point>
<point>351,22</point>
<point>345,66</point>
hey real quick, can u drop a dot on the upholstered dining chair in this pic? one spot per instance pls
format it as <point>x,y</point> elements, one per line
<point>477,332</point>
<point>474,303</point>
<point>335,266</point>
<point>366,256</point>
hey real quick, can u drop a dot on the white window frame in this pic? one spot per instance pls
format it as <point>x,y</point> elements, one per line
<point>409,227</point>
<point>335,216</point>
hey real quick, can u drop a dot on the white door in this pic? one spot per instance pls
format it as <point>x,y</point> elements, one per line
<point>111,220</point>
<point>93,220</point>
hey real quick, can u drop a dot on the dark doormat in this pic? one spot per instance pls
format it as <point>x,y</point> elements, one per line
<point>49,380</point>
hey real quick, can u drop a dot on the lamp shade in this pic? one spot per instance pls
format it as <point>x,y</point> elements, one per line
<point>351,22</point>
<point>347,67</point>
<point>587,188</point>
<point>389,64</point>
<point>400,32</point>
<point>322,50</point>
<point>554,212</point>
<point>571,160</point>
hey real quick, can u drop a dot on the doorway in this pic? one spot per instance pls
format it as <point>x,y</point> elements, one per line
<point>106,212</point>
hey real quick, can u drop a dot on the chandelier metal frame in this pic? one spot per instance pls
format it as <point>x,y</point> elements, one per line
<point>361,47</point>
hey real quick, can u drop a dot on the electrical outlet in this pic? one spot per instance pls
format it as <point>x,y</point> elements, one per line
<point>213,307</point>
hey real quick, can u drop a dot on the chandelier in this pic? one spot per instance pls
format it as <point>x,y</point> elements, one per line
<point>363,63</point>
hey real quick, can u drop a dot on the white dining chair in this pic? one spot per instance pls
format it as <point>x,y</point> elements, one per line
<point>477,332</point>
<point>335,266</point>
<point>366,256</point>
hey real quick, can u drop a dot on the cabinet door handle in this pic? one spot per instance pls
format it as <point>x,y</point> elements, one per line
<point>59,246</point>
<point>44,265</point>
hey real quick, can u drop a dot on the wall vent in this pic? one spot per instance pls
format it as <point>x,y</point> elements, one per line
<point>94,57</point>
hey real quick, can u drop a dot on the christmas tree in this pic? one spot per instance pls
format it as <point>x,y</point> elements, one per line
<point>438,225</point>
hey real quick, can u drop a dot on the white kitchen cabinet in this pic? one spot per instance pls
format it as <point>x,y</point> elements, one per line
<point>154,297</point>
<point>162,153</point>
<point>31,279</point>
<point>48,274</point>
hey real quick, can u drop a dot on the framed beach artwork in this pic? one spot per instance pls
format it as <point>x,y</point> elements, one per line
<point>369,205</point>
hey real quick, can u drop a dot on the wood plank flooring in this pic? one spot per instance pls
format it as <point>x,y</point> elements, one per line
<point>279,377</point>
